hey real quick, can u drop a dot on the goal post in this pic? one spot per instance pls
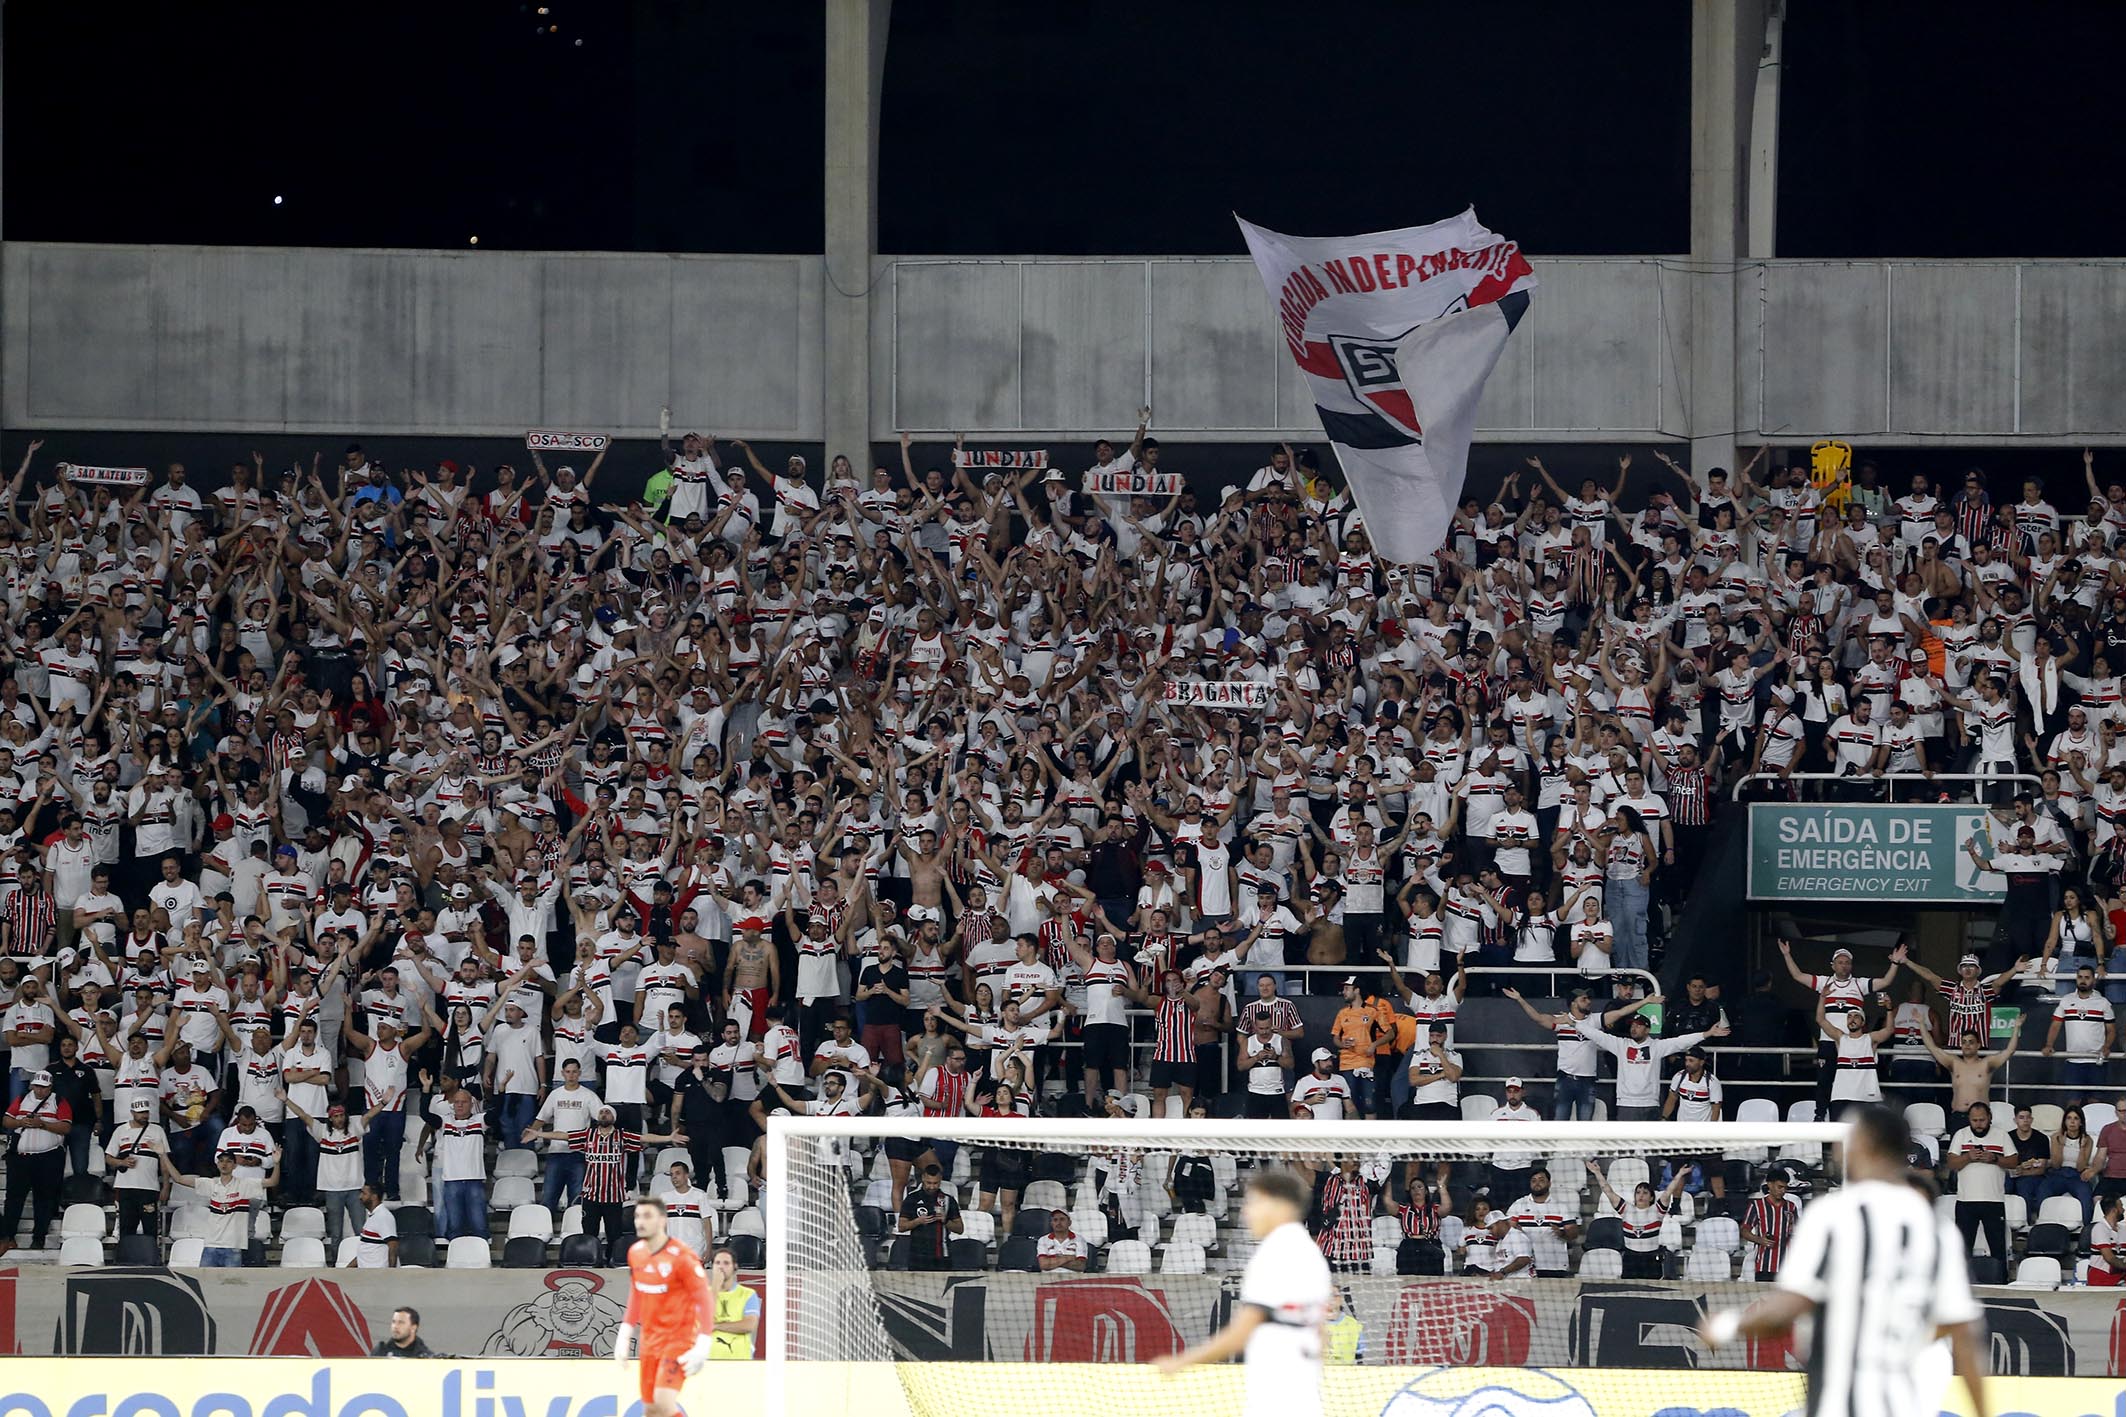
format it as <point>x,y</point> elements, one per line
<point>1158,1205</point>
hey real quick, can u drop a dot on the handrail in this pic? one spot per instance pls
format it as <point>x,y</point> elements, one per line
<point>1474,970</point>
<point>1889,777</point>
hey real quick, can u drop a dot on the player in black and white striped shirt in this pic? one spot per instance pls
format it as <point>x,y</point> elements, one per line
<point>1883,1277</point>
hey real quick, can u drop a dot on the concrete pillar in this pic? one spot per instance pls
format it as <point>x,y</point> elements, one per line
<point>855,69</point>
<point>1727,40</point>
<point>1764,141</point>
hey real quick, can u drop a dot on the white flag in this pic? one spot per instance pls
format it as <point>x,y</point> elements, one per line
<point>1396,332</point>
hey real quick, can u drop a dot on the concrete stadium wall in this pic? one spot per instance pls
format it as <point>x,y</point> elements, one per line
<point>343,341</point>
<point>413,343</point>
<point>1066,347</point>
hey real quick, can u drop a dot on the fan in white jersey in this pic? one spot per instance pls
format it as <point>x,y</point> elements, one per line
<point>1883,1276</point>
<point>1284,1300</point>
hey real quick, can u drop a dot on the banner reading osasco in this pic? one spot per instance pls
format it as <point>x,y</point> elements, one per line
<point>1396,332</point>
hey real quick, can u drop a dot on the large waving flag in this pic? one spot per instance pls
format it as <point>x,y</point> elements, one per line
<point>1396,332</point>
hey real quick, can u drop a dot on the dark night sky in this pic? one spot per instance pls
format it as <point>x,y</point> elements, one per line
<point>1099,127</point>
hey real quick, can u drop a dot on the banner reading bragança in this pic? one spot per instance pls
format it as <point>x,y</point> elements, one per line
<point>1835,851</point>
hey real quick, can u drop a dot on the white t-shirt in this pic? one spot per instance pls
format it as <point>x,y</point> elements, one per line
<point>2102,1237</point>
<point>1982,1179</point>
<point>565,1111</point>
<point>1327,1097</point>
<point>1287,1279</point>
<point>379,1228</point>
<point>228,1225</point>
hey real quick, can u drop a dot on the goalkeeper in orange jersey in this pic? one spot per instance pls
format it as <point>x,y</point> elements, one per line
<point>670,1306</point>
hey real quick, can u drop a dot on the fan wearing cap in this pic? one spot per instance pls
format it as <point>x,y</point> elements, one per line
<point>1971,995</point>
<point>37,1122</point>
<point>1322,1093</point>
<point>1839,991</point>
<point>132,1158</point>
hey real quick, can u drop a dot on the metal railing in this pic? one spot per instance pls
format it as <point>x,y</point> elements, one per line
<point>1891,778</point>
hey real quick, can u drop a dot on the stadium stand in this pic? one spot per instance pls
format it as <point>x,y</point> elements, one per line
<point>434,859</point>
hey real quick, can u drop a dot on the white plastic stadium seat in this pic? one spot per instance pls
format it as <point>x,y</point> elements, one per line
<point>2045,1117</point>
<point>1601,1264</point>
<point>469,1252</point>
<point>2061,1210</point>
<point>345,1254</point>
<point>2037,1272</point>
<point>303,1252</point>
<point>1719,1233</point>
<point>509,1192</point>
<point>2017,1212</point>
<point>1046,1195</point>
<point>1802,1111</point>
<point>184,1253</point>
<point>1926,1119</point>
<point>669,1155</point>
<point>1452,1231</point>
<point>301,1222</point>
<point>2098,1115</point>
<point>1182,1259</point>
<point>1091,1225</point>
<point>1707,1265</point>
<point>1624,1173</point>
<point>533,1220</point>
<point>81,1222</point>
<point>81,1250</point>
<point>749,1222</point>
<point>979,1225</point>
<point>516,1162</point>
<point>1387,1232</point>
<point>1478,1107</point>
<point>1757,1109</point>
<point>1198,1230</point>
<point>571,1221</point>
<point>1129,1257</point>
<point>737,1158</point>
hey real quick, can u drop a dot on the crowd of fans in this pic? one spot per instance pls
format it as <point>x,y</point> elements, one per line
<point>334,797</point>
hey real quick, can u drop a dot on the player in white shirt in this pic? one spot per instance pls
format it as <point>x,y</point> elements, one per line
<point>1284,1300</point>
<point>1883,1277</point>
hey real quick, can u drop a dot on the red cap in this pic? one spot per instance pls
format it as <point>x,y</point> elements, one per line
<point>225,823</point>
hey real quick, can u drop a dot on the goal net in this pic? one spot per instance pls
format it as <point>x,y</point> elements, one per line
<point>1049,1260</point>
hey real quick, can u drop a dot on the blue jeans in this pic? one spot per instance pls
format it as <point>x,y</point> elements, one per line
<point>298,1159</point>
<point>380,1152</point>
<point>1361,1084</point>
<point>221,1259</point>
<point>18,1082</point>
<point>77,1146</point>
<point>1624,902</point>
<point>344,1215</point>
<point>517,1111</point>
<point>1572,1100</point>
<point>2088,1078</point>
<point>564,1180</point>
<point>2059,1181</point>
<point>463,1210</point>
<point>192,1149</point>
